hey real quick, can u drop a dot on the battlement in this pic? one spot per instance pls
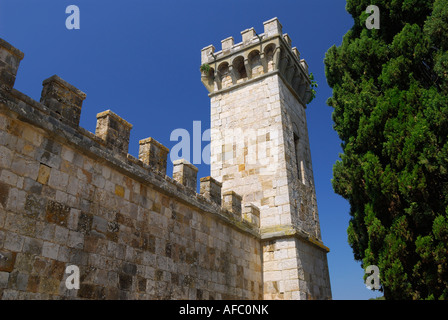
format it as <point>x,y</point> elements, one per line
<point>63,99</point>
<point>255,57</point>
<point>58,113</point>
<point>10,58</point>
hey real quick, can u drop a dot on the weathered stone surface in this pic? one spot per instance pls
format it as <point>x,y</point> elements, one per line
<point>154,154</point>
<point>50,250</point>
<point>35,206</point>
<point>33,246</point>
<point>4,193</point>
<point>185,173</point>
<point>211,189</point>
<point>10,58</point>
<point>57,213</point>
<point>251,214</point>
<point>113,130</point>
<point>62,98</point>
<point>232,202</point>
<point>7,260</point>
<point>44,174</point>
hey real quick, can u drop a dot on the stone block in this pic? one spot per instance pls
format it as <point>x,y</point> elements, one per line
<point>99,224</point>
<point>251,214</point>
<point>6,156</point>
<point>248,35</point>
<point>227,44</point>
<point>153,154</point>
<point>232,202</point>
<point>8,177</point>
<point>85,223</point>
<point>25,167</point>
<point>185,173</point>
<point>21,281</point>
<point>33,246</point>
<point>61,235</point>
<point>49,285</point>
<point>296,52</point>
<point>75,239</point>
<point>44,230</point>
<point>10,58</point>
<point>211,189</point>
<point>205,53</point>
<point>113,130</point>
<point>4,193</point>
<point>287,39</point>
<point>4,279</point>
<point>119,191</point>
<point>35,206</point>
<point>58,179</point>
<point>272,27</point>
<point>57,213</point>
<point>13,242</point>
<point>125,281</point>
<point>304,65</point>
<point>24,262</point>
<point>72,222</point>
<point>7,260</point>
<point>63,99</point>
<point>33,283</point>
<point>57,270</point>
<point>50,250</point>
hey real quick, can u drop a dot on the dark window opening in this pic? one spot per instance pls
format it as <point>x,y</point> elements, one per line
<point>299,159</point>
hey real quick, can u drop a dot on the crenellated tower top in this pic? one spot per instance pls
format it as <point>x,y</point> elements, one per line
<point>256,56</point>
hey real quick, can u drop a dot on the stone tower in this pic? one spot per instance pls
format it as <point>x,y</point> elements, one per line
<point>260,150</point>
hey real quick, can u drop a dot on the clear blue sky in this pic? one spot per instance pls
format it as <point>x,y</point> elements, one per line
<point>141,58</point>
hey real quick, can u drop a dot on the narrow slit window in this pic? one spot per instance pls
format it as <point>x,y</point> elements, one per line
<point>299,159</point>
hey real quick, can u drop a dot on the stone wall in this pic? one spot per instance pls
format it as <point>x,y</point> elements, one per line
<point>70,197</point>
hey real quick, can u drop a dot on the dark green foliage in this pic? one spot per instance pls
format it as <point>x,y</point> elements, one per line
<point>313,86</point>
<point>205,68</point>
<point>390,100</point>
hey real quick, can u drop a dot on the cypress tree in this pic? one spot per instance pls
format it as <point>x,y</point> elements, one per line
<point>390,104</point>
